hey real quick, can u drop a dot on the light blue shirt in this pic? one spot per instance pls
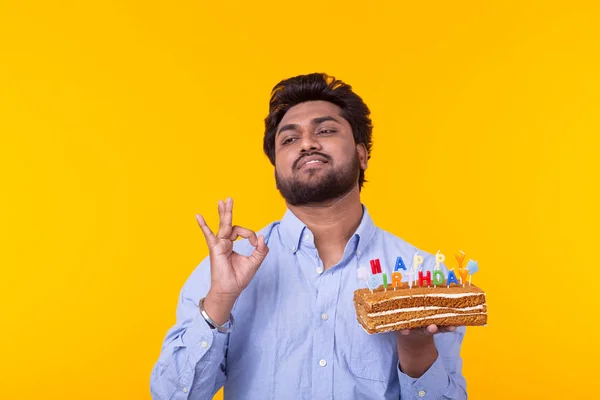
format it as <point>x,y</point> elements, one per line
<point>296,335</point>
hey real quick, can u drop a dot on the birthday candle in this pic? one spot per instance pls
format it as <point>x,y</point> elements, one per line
<point>460,258</point>
<point>411,274</point>
<point>463,272</point>
<point>399,264</point>
<point>375,266</point>
<point>374,282</point>
<point>424,278</point>
<point>396,279</point>
<point>451,278</point>
<point>362,273</point>
<point>417,261</point>
<point>472,267</point>
<point>438,277</point>
<point>439,258</point>
<point>385,281</point>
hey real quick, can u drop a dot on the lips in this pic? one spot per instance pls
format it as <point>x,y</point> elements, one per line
<point>311,160</point>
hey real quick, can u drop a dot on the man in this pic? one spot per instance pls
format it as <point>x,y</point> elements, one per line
<point>272,316</point>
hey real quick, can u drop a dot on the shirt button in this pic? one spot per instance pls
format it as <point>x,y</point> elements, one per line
<point>294,248</point>
<point>324,316</point>
<point>358,253</point>
<point>319,270</point>
<point>322,363</point>
<point>204,344</point>
<point>184,390</point>
<point>421,393</point>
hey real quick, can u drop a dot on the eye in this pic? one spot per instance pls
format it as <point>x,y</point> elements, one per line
<point>325,131</point>
<point>288,141</point>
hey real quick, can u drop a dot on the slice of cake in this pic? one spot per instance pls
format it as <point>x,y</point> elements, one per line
<point>404,307</point>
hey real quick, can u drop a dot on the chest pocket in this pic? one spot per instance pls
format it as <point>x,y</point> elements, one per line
<point>373,357</point>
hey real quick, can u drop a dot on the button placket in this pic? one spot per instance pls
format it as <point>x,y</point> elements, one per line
<point>323,352</point>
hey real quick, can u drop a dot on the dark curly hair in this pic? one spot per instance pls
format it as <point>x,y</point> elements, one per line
<point>318,86</point>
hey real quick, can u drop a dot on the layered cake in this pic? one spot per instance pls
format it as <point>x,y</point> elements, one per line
<point>390,309</point>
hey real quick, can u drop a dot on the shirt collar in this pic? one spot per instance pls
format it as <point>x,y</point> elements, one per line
<point>292,229</point>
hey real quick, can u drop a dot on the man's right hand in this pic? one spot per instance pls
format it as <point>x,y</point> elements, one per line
<point>230,272</point>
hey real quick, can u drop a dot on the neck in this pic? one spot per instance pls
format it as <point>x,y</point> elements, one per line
<point>332,222</point>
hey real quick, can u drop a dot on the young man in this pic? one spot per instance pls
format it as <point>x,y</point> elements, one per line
<point>272,316</point>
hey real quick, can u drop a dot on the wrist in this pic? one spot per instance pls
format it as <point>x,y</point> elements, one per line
<point>218,306</point>
<point>415,344</point>
<point>416,355</point>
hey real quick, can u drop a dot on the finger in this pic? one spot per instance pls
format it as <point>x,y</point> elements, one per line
<point>447,329</point>
<point>224,219</point>
<point>431,329</point>
<point>229,211</point>
<point>260,252</point>
<point>209,236</point>
<point>245,233</point>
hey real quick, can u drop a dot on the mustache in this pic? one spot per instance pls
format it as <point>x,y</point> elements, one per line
<point>314,153</point>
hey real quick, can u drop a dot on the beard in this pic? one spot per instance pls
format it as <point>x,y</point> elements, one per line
<point>333,184</point>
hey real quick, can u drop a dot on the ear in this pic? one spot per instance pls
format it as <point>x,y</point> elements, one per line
<point>363,156</point>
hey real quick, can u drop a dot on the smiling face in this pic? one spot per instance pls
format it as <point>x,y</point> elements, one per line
<point>316,158</point>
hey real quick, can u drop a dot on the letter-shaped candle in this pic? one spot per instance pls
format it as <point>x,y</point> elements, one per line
<point>451,278</point>
<point>375,266</point>
<point>411,278</point>
<point>417,261</point>
<point>463,272</point>
<point>460,257</point>
<point>396,279</point>
<point>426,278</point>
<point>439,258</point>
<point>399,264</point>
<point>373,281</point>
<point>438,278</point>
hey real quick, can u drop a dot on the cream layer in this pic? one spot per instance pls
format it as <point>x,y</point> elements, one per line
<point>429,317</point>
<point>424,308</point>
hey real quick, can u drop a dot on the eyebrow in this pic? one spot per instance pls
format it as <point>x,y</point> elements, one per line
<point>314,121</point>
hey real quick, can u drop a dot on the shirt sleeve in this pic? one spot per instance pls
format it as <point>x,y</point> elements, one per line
<point>192,362</point>
<point>443,379</point>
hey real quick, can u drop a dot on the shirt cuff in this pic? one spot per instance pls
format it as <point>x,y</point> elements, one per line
<point>205,342</point>
<point>431,385</point>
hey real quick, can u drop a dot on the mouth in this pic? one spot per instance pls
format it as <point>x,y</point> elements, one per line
<point>311,161</point>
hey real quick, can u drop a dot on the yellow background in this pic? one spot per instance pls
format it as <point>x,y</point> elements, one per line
<point>120,120</point>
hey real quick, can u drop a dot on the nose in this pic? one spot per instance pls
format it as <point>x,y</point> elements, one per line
<point>309,143</point>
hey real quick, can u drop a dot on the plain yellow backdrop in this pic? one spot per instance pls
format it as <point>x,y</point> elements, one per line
<point>120,120</point>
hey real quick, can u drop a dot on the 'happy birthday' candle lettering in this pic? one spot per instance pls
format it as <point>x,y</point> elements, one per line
<point>396,279</point>
<point>399,264</point>
<point>424,278</point>
<point>463,272</point>
<point>438,278</point>
<point>451,278</point>
<point>375,266</point>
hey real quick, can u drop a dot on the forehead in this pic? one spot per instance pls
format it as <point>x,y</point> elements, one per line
<point>303,113</point>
